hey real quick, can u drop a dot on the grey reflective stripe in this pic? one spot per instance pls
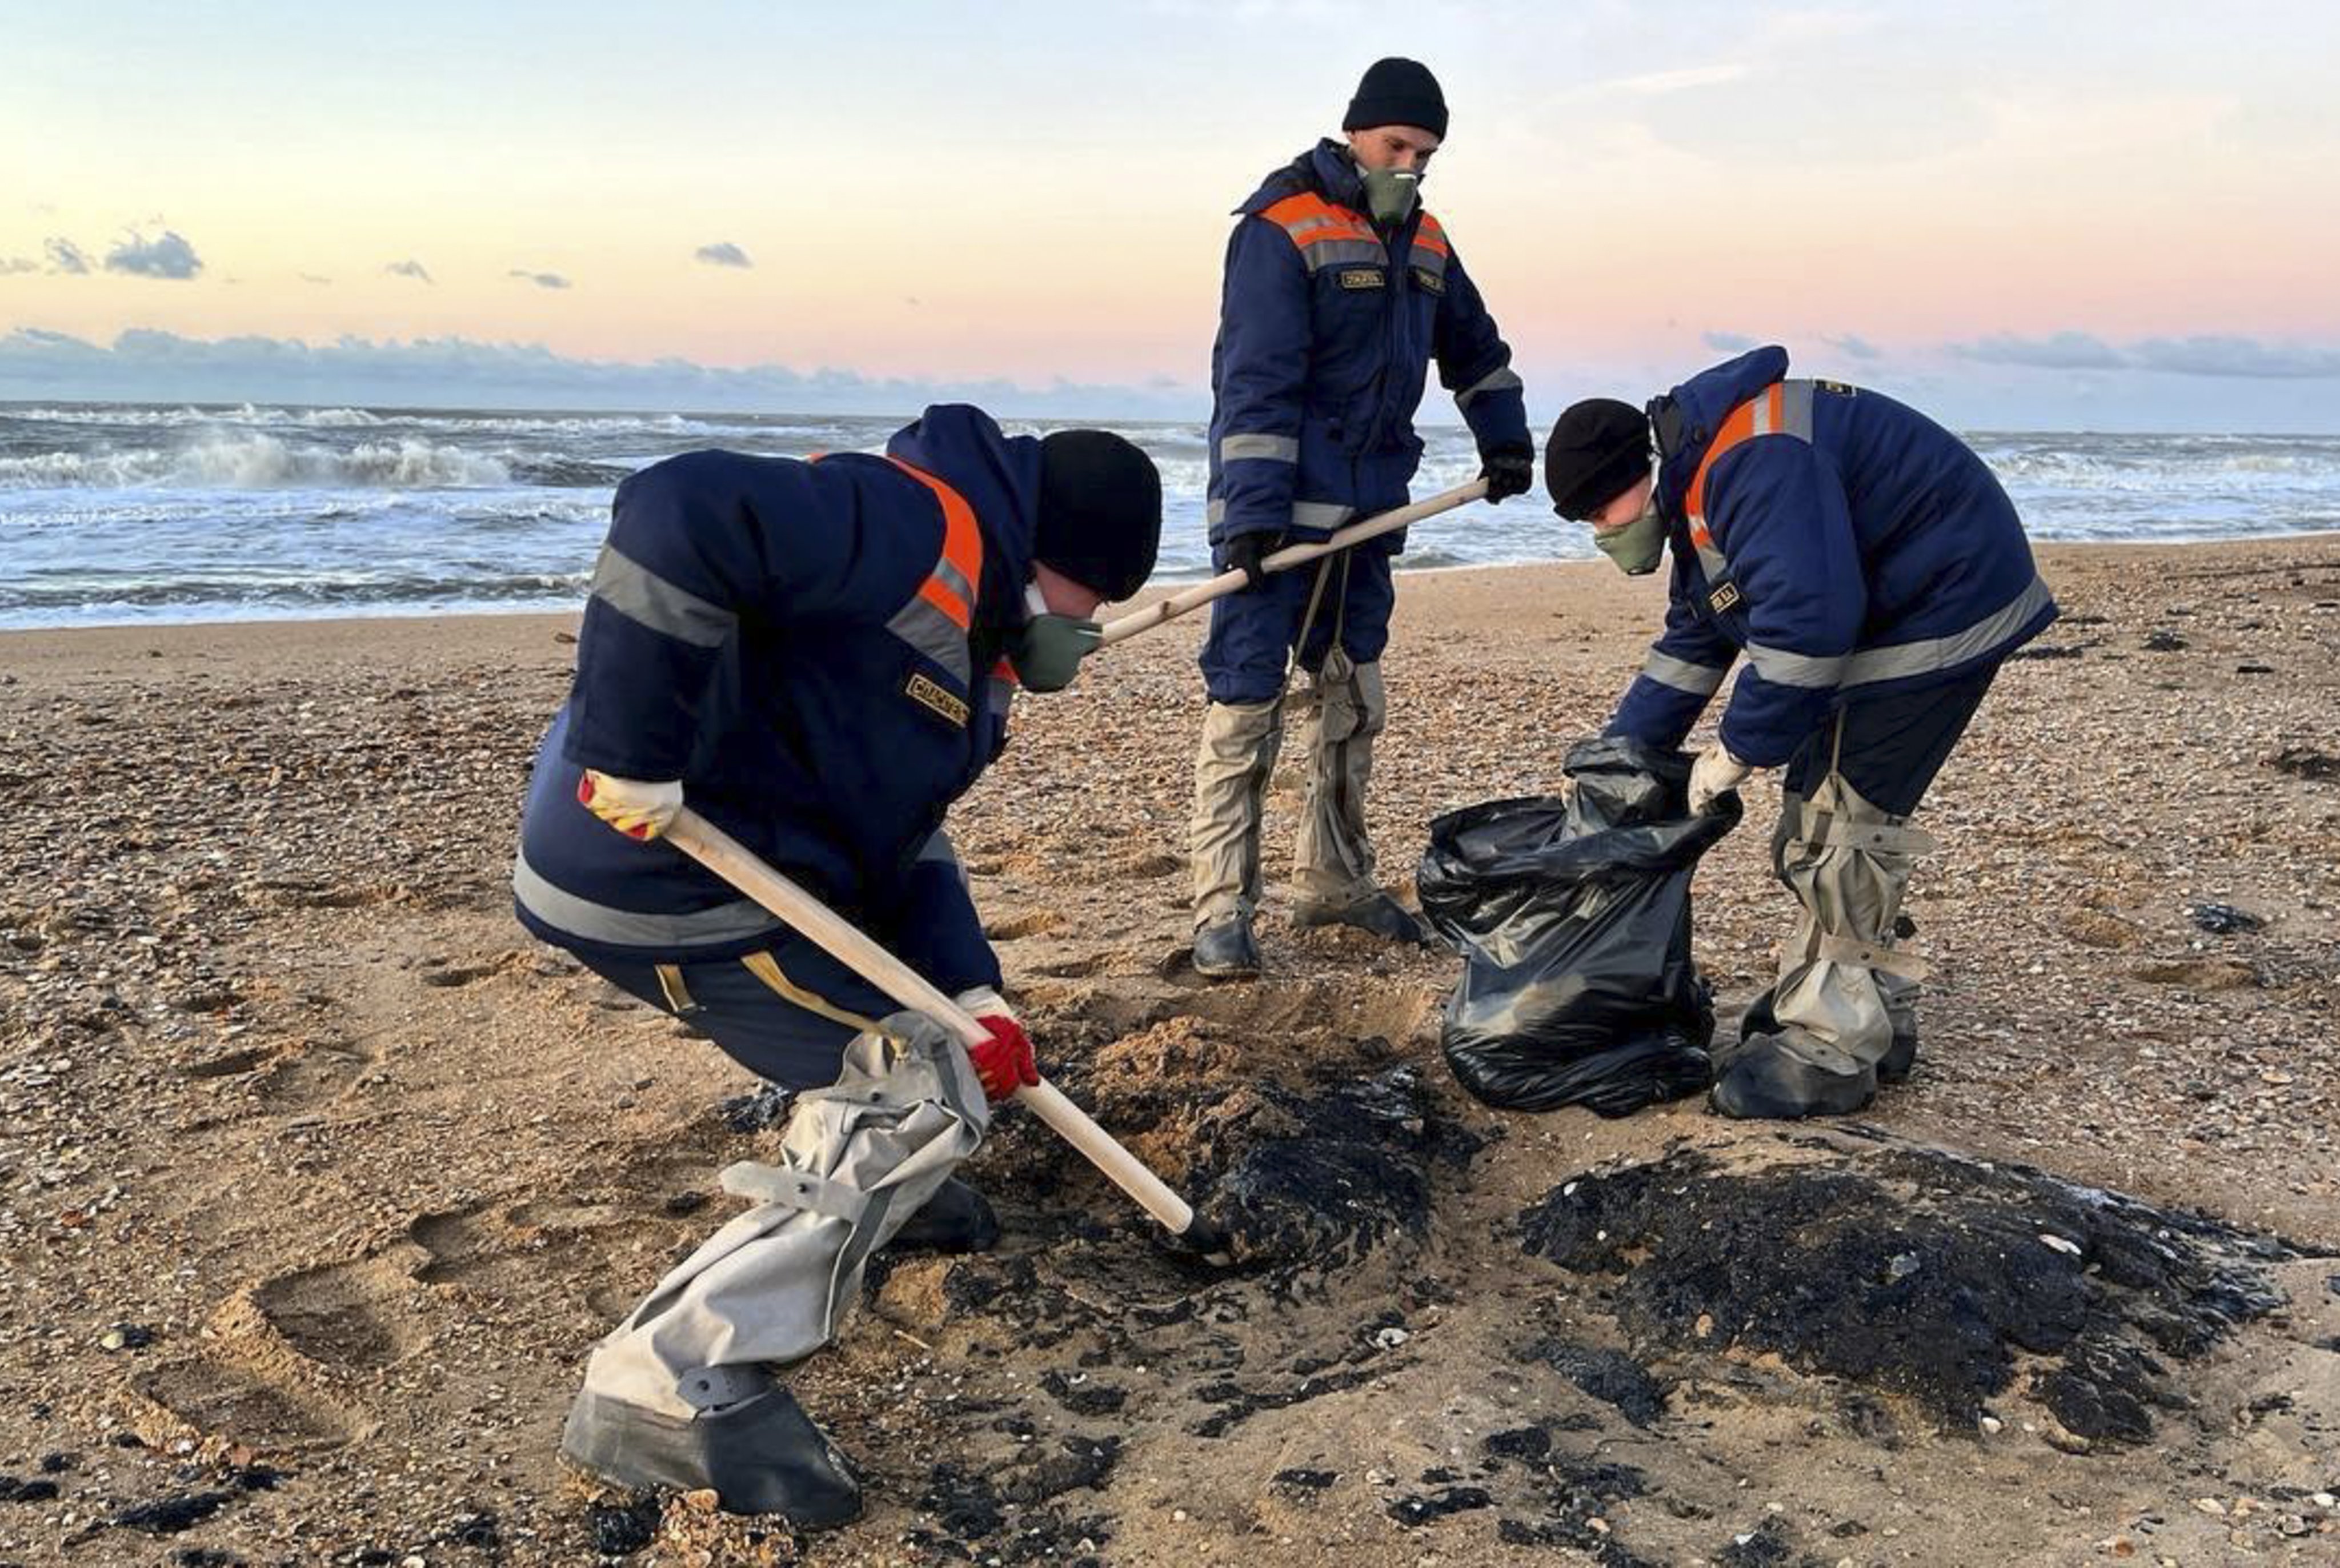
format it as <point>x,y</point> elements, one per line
<point>1781,668</point>
<point>1504,380</point>
<point>565,911</point>
<point>639,594</point>
<point>1270,447</point>
<point>1796,409</point>
<point>1305,513</point>
<point>956,581</point>
<point>1901,659</point>
<point>934,634</point>
<point>939,851</point>
<point>1428,260</point>
<point>1698,679</point>
<point>1343,253</point>
<point>1712,561</point>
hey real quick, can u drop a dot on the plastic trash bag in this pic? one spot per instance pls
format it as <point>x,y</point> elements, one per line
<point>1572,917</point>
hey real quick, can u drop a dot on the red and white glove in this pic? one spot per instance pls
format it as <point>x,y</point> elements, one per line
<point>1005,1061</point>
<point>634,807</point>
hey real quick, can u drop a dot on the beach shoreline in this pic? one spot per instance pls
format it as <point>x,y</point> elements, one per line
<point>284,1087</point>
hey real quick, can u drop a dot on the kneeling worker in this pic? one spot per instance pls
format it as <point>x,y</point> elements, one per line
<point>1875,575</point>
<point>819,658</point>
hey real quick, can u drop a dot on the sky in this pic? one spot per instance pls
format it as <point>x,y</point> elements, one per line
<point>2085,216</point>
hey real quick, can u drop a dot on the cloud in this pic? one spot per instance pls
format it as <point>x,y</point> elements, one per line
<point>1853,346</point>
<point>65,256</point>
<point>1729,342</point>
<point>409,268</point>
<point>166,256</point>
<point>2248,359</point>
<point>2230,356</point>
<point>541,280</point>
<point>1652,84</point>
<point>17,264</point>
<point>2058,352</point>
<point>307,278</point>
<point>145,365</point>
<point>723,253</point>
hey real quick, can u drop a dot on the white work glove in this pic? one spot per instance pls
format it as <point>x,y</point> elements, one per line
<point>636,809</point>
<point>1716,772</point>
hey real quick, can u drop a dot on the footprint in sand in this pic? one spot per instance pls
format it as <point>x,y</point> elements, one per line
<point>361,1313</point>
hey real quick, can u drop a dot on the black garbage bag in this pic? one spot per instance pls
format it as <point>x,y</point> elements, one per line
<point>1574,921</point>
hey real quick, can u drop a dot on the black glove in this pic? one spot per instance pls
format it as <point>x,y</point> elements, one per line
<point>1244,554</point>
<point>1510,468</point>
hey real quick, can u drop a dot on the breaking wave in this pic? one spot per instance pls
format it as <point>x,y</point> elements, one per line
<point>259,462</point>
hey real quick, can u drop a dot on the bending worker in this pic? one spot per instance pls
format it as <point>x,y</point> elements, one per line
<point>817,657</point>
<point>1875,576</point>
<point>1339,292</point>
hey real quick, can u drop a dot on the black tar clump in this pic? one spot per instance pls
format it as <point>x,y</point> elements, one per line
<point>1356,1172</point>
<point>1915,1272</point>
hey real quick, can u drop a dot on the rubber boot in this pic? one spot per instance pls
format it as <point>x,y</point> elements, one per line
<point>1380,914</point>
<point>747,1439</point>
<point>1762,1079</point>
<point>956,1219</point>
<point>1226,951</point>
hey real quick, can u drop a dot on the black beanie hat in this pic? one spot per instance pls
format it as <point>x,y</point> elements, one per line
<point>1599,449</point>
<point>1100,510</point>
<point>1397,92</point>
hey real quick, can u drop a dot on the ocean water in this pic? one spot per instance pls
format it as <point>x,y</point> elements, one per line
<point>114,513</point>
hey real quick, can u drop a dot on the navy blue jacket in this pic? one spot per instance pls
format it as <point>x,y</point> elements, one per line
<point>1326,332</point>
<point>1844,542</point>
<point>786,638</point>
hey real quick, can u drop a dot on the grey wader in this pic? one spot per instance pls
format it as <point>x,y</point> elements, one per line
<point>1843,1014</point>
<point>1336,717</point>
<point>682,1393</point>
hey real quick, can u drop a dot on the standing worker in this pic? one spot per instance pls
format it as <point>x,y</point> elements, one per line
<point>1339,292</point>
<point>1875,576</point>
<point>817,657</point>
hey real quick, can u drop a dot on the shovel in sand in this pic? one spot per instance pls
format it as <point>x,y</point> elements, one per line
<point>725,855</point>
<point>1162,612</point>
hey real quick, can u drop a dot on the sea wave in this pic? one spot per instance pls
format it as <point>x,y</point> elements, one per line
<point>255,460</point>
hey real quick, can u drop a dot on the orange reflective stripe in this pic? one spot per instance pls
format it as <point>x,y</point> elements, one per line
<point>1431,237</point>
<point>1308,218</point>
<point>962,551</point>
<point>935,591</point>
<point>1737,427</point>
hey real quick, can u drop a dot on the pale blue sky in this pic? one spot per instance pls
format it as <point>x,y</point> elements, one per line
<point>2097,215</point>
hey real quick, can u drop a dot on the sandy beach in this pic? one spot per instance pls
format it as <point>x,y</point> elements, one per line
<point>318,1178</point>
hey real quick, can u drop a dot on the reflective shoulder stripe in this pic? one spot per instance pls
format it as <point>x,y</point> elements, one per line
<point>1325,235</point>
<point>1431,237</point>
<point>1783,408</point>
<point>1781,668</point>
<point>952,587</point>
<point>642,596</point>
<point>936,620</point>
<point>1900,660</point>
<point>1505,379</point>
<point>565,911</point>
<point>1266,448</point>
<point>1698,679</point>
<point>1004,686</point>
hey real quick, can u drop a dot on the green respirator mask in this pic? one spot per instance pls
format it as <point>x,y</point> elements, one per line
<point>1390,194</point>
<point>1637,545</point>
<point>1048,650</point>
